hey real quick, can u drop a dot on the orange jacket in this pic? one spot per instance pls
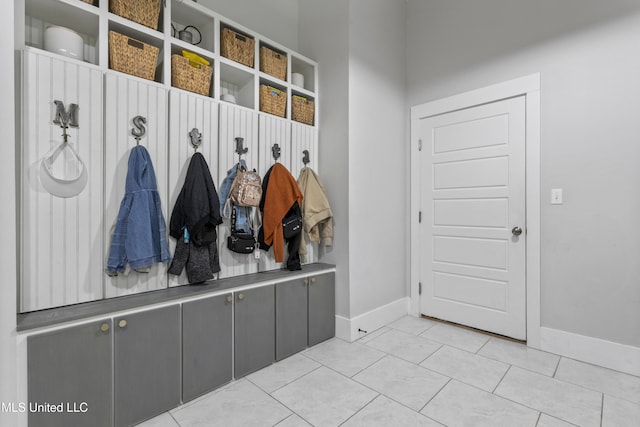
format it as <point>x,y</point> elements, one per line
<point>281,193</point>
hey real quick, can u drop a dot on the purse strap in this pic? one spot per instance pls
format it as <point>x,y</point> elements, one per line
<point>233,219</point>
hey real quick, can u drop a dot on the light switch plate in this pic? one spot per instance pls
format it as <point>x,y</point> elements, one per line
<point>556,196</point>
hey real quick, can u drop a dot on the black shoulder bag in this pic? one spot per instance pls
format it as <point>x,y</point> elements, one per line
<point>242,243</point>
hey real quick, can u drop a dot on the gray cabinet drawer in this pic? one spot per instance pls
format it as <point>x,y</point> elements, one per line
<point>72,367</point>
<point>322,308</point>
<point>291,317</point>
<point>147,364</point>
<point>206,345</point>
<point>254,330</point>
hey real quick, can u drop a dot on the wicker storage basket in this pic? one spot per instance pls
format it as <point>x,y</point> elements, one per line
<point>272,100</point>
<point>132,56</point>
<point>145,12</point>
<point>302,109</point>
<point>88,1</point>
<point>273,63</point>
<point>189,75</point>
<point>238,47</point>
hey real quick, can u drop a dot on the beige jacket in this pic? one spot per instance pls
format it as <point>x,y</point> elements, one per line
<point>316,211</point>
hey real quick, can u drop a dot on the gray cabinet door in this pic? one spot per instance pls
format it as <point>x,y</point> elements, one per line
<point>147,364</point>
<point>322,308</point>
<point>254,330</point>
<point>71,367</point>
<point>206,345</point>
<point>291,317</point>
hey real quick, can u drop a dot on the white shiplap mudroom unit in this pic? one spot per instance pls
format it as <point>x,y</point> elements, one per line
<point>79,325</point>
<point>374,69</point>
<point>65,240</point>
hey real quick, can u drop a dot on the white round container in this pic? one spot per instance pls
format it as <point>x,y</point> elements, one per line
<point>228,98</point>
<point>297,79</point>
<point>64,41</point>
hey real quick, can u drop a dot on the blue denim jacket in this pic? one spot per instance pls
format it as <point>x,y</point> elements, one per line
<point>140,235</point>
<point>242,212</point>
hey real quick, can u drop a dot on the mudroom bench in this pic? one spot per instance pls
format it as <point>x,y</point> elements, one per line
<point>123,360</point>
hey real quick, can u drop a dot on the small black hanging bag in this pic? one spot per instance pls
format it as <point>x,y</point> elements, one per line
<point>292,222</point>
<point>240,242</point>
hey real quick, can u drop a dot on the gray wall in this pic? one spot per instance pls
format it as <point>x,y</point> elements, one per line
<point>330,49</point>
<point>275,19</point>
<point>360,48</point>
<point>587,54</point>
<point>378,150</point>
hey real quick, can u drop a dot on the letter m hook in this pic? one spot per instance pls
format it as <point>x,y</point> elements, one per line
<point>66,118</point>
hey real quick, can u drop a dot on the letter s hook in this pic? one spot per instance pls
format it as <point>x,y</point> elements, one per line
<point>139,130</point>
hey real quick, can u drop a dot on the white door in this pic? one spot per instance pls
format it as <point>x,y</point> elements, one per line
<point>472,266</point>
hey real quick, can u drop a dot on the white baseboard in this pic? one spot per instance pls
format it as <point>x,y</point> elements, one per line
<point>348,329</point>
<point>620,357</point>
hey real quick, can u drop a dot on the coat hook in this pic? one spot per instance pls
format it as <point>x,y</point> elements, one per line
<point>239,147</point>
<point>275,150</point>
<point>305,158</point>
<point>65,118</point>
<point>196,138</point>
<point>139,131</point>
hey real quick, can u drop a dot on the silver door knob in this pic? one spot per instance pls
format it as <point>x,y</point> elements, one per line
<point>516,231</point>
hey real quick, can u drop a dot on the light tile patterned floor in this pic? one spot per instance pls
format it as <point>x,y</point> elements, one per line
<point>417,372</point>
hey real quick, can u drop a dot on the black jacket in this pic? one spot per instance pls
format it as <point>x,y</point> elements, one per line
<point>198,210</point>
<point>197,207</point>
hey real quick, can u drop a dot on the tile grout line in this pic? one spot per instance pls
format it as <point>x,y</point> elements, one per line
<point>384,353</point>
<point>173,418</point>
<point>282,403</point>
<point>463,381</point>
<point>602,410</point>
<point>286,418</point>
<point>290,415</point>
<point>290,382</point>
<point>530,407</point>
<point>626,399</point>
<point>429,356</point>
<point>555,371</point>
<point>501,379</point>
<point>538,420</point>
<point>393,399</point>
<point>352,378</point>
<point>434,396</point>
<point>360,410</point>
<point>483,345</point>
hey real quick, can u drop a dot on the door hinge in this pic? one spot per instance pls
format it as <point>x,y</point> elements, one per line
<point>420,145</point>
<point>419,288</point>
<point>419,217</point>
